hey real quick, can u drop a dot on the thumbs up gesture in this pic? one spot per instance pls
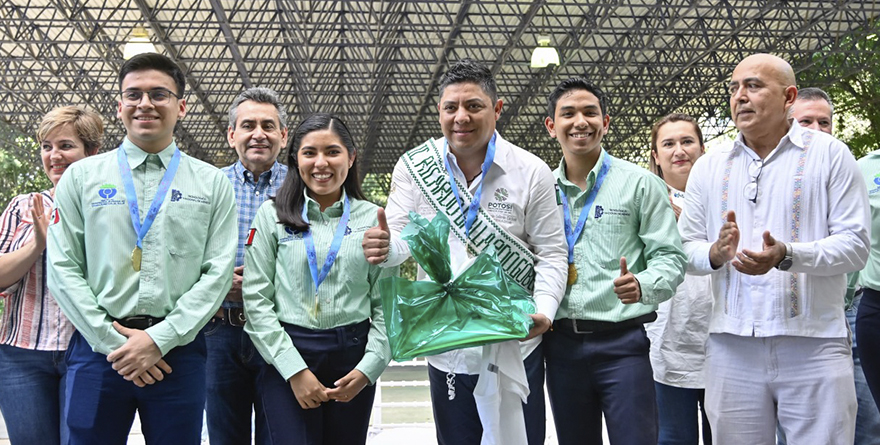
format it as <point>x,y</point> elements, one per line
<point>376,240</point>
<point>626,286</point>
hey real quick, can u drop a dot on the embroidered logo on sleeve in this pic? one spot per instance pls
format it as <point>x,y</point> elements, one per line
<point>250,238</point>
<point>55,218</point>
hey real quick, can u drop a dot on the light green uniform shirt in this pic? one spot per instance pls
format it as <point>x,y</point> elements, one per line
<point>278,285</point>
<point>188,254</point>
<point>870,275</point>
<point>631,217</point>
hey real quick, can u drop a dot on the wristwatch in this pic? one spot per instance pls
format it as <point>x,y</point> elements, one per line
<point>785,264</point>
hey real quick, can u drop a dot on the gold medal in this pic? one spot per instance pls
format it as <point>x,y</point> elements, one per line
<point>572,274</point>
<point>136,259</point>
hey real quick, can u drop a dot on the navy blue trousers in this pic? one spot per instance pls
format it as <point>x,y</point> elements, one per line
<point>868,337</point>
<point>607,372</point>
<point>100,404</point>
<point>330,355</point>
<point>457,421</point>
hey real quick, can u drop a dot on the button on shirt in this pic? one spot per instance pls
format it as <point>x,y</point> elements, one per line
<point>31,317</point>
<point>832,228</point>
<point>278,286</point>
<point>631,217</point>
<point>188,253</point>
<point>250,194</point>
<point>526,185</point>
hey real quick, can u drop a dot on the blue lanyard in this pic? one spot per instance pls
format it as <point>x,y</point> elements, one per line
<point>334,246</point>
<point>131,194</point>
<point>474,206</point>
<point>572,235</point>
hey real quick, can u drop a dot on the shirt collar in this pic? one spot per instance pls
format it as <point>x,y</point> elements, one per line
<point>245,175</point>
<point>333,211</point>
<point>591,176</point>
<point>502,153</point>
<point>136,156</point>
<point>794,138</point>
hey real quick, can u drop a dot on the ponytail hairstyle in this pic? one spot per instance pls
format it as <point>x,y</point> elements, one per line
<point>290,199</point>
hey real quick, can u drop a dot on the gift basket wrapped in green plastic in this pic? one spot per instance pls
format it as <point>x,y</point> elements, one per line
<point>481,305</point>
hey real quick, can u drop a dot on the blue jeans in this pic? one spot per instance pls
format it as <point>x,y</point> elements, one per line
<point>232,368</point>
<point>457,421</point>
<point>32,394</point>
<point>100,404</point>
<point>608,373</point>
<point>679,412</point>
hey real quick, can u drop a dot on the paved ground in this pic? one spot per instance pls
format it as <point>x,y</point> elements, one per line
<point>405,390</point>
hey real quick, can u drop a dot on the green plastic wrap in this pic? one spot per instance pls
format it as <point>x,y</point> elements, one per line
<point>480,306</point>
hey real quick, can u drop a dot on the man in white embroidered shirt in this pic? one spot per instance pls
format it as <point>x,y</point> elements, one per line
<point>515,189</point>
<point>778,218</point>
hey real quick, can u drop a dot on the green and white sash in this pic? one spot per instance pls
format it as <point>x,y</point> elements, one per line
<point>425,164</point>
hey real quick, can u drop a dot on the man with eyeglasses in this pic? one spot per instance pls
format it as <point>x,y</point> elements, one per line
<point>141,252</point>
<point>778,218</point>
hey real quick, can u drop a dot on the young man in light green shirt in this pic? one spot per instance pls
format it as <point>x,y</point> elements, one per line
<point>141,252</point>
<point>625,257</point>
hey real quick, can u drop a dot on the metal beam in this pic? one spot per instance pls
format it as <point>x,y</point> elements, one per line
<point>231,43</point>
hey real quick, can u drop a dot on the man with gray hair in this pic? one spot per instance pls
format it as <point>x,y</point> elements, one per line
<point>813,109</point>
<point>257,131</point>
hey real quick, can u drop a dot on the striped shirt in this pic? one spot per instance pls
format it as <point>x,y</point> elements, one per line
<point>188,253</point>
<point>278,286</point>
<point>249,195</point>
<point>31,317</point>
<point>631,217</point>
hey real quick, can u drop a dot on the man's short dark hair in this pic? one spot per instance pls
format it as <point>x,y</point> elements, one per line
<point>470,71</point>
<point>259,95</point>
<point>812,93</point>
<point>575,83</point>
<point>153,61</point>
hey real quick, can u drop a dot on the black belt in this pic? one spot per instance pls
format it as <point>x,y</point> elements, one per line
<point>568,325</point>
<point>140,321</point>
<point>233,316</point>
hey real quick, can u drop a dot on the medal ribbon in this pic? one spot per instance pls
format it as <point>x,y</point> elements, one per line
<point>572,235</point>
<point>474,206</point>
<point>131,194</point>
<point>334,246</point>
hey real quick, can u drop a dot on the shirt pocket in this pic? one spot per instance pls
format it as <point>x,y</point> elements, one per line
<point>606,244</point>
<point>186,230</point>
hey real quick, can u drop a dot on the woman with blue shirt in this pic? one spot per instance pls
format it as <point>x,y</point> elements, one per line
<point>311,299</point>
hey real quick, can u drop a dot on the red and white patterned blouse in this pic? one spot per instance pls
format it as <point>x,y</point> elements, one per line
<point>31,318</point>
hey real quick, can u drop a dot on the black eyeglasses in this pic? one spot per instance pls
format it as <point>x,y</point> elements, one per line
<point>751,189</point>
<point>158,96</point>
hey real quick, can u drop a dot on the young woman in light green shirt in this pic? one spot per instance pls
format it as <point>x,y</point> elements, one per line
<point>311,298</point>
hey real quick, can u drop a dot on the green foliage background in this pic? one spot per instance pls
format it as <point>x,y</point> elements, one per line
<point>21,170</point>
<point>849,75</point>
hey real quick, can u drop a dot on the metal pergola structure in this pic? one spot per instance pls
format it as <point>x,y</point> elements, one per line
<point>377,63</point>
